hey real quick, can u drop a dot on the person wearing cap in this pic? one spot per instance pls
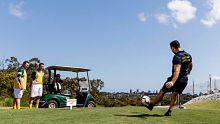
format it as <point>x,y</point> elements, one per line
<point>36,85</point>
<point>20,84</point>
<point>176,83</point>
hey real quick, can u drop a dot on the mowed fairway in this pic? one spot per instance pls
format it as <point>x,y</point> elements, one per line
<point>195,114</point>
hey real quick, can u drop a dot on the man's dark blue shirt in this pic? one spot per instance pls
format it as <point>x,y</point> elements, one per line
<point>184,59</point>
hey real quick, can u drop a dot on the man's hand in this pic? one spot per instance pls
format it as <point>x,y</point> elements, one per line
<point>169,84</point>
<point>20,83</point>
<point>175,75</point>
<point>19,86</point>
<point>22,86</point>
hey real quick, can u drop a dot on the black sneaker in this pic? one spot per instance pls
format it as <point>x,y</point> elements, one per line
<point>168,113</point>
<point>149,106</point>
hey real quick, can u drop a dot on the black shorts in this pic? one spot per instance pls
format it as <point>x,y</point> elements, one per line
<point>178,86</point>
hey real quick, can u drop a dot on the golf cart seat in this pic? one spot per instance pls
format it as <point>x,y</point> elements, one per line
<point>66,92</point>
<point>57,88</point>
<point>51,88</point>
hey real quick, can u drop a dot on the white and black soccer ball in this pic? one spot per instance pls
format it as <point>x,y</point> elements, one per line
<point>145,100</point>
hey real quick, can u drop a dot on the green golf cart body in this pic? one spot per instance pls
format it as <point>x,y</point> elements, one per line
<point>57,100</point>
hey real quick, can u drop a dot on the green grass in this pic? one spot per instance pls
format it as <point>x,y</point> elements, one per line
<point>194,114</point>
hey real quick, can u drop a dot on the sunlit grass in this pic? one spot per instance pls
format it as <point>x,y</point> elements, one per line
<point>206,112</point>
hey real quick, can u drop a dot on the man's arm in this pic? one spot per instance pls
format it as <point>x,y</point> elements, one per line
<point>31,80</point>
<point>190,66</point>
<point>33,77</point>
<point>175,75</point>
<point>20,76</point>
<point>19,81</point>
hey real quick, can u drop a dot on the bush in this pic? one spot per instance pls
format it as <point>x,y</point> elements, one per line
<point>24,103</point>
<point>6,102</point>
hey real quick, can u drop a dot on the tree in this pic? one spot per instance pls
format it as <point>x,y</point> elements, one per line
<point>2,64</point>
<point>97,84</point>
<point>71,84</point>
<point>7,82</point>
<point>12,63</point>
<point>33,63</point>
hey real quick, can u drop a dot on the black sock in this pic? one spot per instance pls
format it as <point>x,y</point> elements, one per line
<point>168,113</point>
<point>151,104</point>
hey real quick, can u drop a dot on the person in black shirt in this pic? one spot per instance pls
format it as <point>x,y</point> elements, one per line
<point>182,66</point>
<point>57,84</point>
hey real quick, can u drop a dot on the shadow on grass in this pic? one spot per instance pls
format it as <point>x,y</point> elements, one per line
<point>142,115</point>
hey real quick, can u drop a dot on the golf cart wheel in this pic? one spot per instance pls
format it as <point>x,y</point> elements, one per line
<point>52,104</point>
<point>91,104</point>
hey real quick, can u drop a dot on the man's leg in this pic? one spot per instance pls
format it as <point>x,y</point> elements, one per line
<point>33,95</point>
<point>14,104</point>
<point>18,103</point>
<point>172,103</point>
<point>40,91</point>
<point>173,100</point>
<point>37,102</point>
<point>14,101</point>
<point>31,102</point>
<point>158,98</point>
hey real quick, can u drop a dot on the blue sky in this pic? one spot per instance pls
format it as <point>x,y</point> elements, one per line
<point>125,43</point>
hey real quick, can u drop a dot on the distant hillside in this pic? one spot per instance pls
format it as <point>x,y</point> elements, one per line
<point>207,105</point>
<point>215,96</point>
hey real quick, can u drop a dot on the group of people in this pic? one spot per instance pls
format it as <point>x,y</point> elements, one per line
<point>36,84</point>
<point>176,83</point>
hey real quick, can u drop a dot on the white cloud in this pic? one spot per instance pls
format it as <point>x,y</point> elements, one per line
<point>213,16</point>
<point>162,18</point>
<point>16,9</point>
<point>182,10</point>
<point>142,17</point>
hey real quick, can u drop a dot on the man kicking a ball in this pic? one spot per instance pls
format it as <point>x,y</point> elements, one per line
<point>182,66</point>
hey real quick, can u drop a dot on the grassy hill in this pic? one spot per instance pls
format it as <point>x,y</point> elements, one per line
<point>208,104</point>
<point>204,112</point>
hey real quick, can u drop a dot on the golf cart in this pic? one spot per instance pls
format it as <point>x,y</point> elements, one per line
<point>59,99</point>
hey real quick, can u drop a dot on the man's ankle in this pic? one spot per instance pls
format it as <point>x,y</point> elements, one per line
<point>150,106</point>
<point>168,113</point>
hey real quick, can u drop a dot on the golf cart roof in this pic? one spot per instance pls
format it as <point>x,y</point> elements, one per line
<point>68,68</point>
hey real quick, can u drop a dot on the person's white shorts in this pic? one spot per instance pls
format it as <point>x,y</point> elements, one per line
<point>18,93</point>
<point>36,90</point>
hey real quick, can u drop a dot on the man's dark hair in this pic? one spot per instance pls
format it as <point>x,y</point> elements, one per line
<point>41,64</point>
<point>175,44</point>
<point>57,75</point>
<point>25,62</point>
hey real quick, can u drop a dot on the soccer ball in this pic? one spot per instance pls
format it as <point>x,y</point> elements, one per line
<point>145,100</point>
